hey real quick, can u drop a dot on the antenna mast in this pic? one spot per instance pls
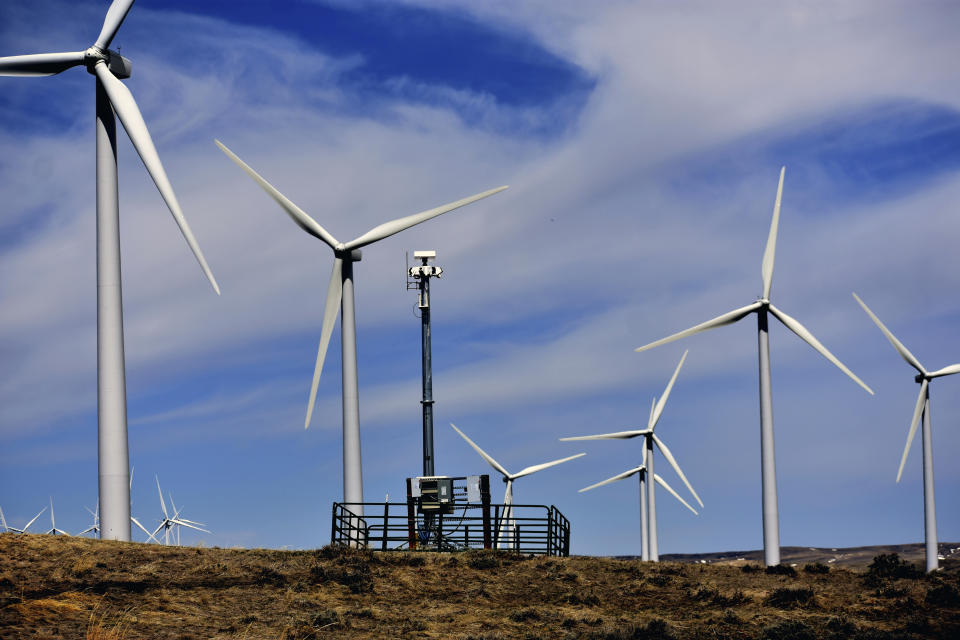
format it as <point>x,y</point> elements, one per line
<point>418,277</point>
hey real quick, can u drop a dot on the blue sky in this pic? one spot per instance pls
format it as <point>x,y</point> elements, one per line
<point>642,143</point>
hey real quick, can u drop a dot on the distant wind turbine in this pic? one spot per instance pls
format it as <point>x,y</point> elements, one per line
<point>340,301</point>
<point>648,506</point>
<point>109,67</point>
<point>53,524</point>
<point>922,408</point>
<point>95,527</point>
<point>509,478</point>
<point>7,527</point>
<point>771,518</point>
<point>169,522</point>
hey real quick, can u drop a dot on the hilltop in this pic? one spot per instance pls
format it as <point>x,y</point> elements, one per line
<point>52,587</point>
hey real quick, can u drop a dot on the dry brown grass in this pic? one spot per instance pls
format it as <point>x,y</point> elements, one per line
<point>53,587</point>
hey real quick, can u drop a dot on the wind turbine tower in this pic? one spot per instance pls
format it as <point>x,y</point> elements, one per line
<point>764,308</point>
<point>113,97</point>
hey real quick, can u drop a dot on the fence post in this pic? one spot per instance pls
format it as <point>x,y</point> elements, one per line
<point>386,525</point>
<point>439,530</point>
<point>516,537</point>
<point>550,532</point>
<point>411,520</point>
<point>333,524</point>
<point>466,536</point>
<point>485,501</point>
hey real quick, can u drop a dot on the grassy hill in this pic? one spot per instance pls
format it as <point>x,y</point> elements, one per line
<point>52,587</point>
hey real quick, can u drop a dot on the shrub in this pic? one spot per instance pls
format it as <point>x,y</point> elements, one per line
<point>944,595</point>
<point>780,570</point>
<point>522,615</point>
<point>481,559</point>
<point>816,568</point>
<point>789,630</point>
<point>751,568</point>
<point>786,597</point>
<point>842,626</point>
<point>890,566</point>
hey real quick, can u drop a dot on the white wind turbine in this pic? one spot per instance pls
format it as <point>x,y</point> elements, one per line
<point>507,517</point>
<point>112,96</point>
<point>169,522</point>
<point>53,524</point>
<point>648,506</point>
<point>95,527</point>
<point>7,527</point>
<point>922,408</point>
<point>340,300</point>
<point>771,519</point>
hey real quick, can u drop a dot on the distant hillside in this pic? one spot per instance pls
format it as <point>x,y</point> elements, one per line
<point>843,557</point>
<point>54,587</point>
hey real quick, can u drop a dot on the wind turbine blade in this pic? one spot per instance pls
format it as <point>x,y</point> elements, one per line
<point>902,350</point>
<point>330,311</point>
<point>53,523</point>
<point>142,528</point>
<point>129,114</point>
<point>40,64</point>
<point>297,214</point>
<point>676,467</point>
<point>766,269</point>
<point>663,399</point>
<point>946,371</point>
<point>719,321</point>
<point>86,531</point>
<point>676,495</point>
<point>917,412</point>
<point>806,336</point>
<point>620,476</point>
<point>3,521</point>
<point>157,530</point>
<point>34,519</point>
<point>483,454</point>
<point>162,504</point>
<point>186,524</point>
<point>619,435</point>
<point>395,226</point>
<point>115,15</point>
<point>545,465</point>
<point>653,406</point>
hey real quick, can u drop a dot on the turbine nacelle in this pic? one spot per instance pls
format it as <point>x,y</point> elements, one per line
<point>119,66</point>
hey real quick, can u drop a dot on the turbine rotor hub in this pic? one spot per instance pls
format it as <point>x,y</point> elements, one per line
<point>119,66</point>
<point>919,378</point>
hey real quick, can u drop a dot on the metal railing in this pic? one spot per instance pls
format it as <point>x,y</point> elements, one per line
<point>396,526</point>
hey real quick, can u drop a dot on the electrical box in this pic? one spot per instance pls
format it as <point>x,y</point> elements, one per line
<point>436,494</point>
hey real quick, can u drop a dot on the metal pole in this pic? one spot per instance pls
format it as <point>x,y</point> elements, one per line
<point>644,533</point>
<point>768,465</point>
<point>651,505</point>
<point>113,452</point>
<point>352,468</point>
<point>427,401</point>
<point>929,504</point>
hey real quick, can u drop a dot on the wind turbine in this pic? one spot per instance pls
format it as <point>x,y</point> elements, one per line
<point>176,521</point>
<point>7,527</point>
<point>508,478</point>
<point>112,96</point>
<point>340,300</point>
<point>763,306</point>
<point>648,505</point>
<point>649,549</point>
<point>95,527</point>
<point>53,524</point>
<point>923,377</point>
